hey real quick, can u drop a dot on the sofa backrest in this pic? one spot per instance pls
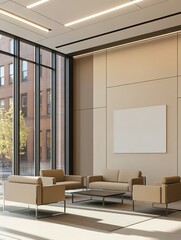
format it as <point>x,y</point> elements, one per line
<point>58,174</point>
<point>110,175</point>
<point>126,175</point>
<point>25,179</point>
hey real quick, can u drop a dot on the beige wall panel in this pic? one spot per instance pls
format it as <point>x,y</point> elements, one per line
<point>179,137</point>
<point>179,54</point>
<point>99,79</point>
<point>149,60</point>
<point>179,86</point>
<point>99,140</point>
<point>83,83</point>
<point>160,92</point>
<point>83,142</point>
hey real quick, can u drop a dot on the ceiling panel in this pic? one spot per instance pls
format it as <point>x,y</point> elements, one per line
<point>19,31</point>
<point>32,16</point>
<point>147,3</point>
<point>55,13</point>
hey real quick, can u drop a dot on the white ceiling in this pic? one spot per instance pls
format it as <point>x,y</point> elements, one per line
<point>137,20</point>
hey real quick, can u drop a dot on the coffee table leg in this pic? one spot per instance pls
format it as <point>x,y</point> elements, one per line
<point>103,202</point>
<point>122,198</point>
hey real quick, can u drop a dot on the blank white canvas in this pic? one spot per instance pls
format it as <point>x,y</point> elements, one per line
<point>140,130</point>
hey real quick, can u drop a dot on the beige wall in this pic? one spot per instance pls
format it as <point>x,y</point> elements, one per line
<point>83,115</point>
<point>137,75</point>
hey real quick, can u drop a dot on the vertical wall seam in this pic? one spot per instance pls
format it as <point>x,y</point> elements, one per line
<point>177,111</point>
<point>106,109</point>
<point>93,113</point>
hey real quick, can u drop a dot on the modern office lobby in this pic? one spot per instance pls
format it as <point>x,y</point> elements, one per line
<point>89,86</point>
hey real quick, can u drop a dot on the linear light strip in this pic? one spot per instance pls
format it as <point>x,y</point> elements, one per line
<point>102,13</point>
<point>36,3</point>
<point>9,14</point>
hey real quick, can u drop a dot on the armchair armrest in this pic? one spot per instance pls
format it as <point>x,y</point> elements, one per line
<point>147,193</point>
<point>136,181</point>
<point>48,181</point>
<point>94,178</point>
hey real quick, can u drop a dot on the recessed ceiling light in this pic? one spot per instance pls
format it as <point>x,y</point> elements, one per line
<point>9,14</point>
<point>102,13</point>
<point>36,3</point>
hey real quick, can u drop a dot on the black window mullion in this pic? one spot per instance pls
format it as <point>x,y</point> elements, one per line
<point>69,115</point>
<point>16,107</point>
<point>37,113</point>
<point>53,113</point>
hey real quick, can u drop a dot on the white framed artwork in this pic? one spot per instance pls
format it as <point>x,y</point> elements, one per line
<point>140,130</point>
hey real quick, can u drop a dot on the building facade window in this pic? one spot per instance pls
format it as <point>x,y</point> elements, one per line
<point>11,73</point>
<point>28,99</point>
<point>48,148</point>
<point>24,71</point>
<point>1,75</point>
<point>24,104</point>
<point>48,101</point>
<point>11,46</point>
<point>2,103</point>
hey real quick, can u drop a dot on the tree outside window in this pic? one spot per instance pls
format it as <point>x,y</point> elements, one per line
<point>6,129</point>
<point>2,103</point>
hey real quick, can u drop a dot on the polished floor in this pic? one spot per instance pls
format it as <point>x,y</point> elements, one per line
<point>90,220</point>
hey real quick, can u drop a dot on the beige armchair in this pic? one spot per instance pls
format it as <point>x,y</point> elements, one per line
<point>59,178</point>
<point>167,192</point>
<point>32,190</point>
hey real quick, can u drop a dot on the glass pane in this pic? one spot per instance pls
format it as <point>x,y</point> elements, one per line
<point>6,120</point>
<point>45,119</point>
<point>27,51</point>
<point>6,44</point>
<point>60,114</point>
<point>27,119</point>
<point>45,57</point>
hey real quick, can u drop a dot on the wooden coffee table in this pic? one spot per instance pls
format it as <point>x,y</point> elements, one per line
<point>97,193</point>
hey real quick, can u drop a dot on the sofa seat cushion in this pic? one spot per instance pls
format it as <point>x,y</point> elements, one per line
<point>110,186</point>
<point>70,184</point>
<point>125,176</point>
<point>110,175</point>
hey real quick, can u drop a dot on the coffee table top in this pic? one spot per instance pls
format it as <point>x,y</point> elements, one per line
<point>99,192</point>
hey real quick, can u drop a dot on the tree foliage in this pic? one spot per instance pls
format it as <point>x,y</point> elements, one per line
<point>6,133</point>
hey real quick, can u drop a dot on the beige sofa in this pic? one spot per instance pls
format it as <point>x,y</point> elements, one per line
<point>167,192</point>
<point>59,178</point>
<point>114,179</point>
<point>32,190</point>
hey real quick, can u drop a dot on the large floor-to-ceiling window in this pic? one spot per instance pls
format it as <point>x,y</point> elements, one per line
<point>32,108</point>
